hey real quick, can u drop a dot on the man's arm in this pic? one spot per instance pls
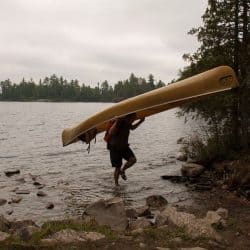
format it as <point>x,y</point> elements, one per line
<point>113,128</point>
<point>134,126</point>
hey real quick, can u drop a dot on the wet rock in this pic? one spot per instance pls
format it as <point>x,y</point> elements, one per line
<point>33,177</point>
<point>40,187</point>
<point>180,140</point>
<point>4,236</point>
<point>25,233</point>
<point>9,173</point>
<point>9,212</point>
<point>2,202</point>
<point>36,183</point>
<point>19,191</point>
<point>68,236</point>
<point>109,212</point>
<point>50,205</point>
<point>139,223</point>
<point>21,180</point>
<point>181,156</point>
<point>192,169</point>
<point>16,199</point>
<point>156,202</point>
<point>41,194</point>
<point>196,227</point>
<point>4,224</point>
<point>175,178</point>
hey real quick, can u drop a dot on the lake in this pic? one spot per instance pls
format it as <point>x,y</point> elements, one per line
<point>30,140</point>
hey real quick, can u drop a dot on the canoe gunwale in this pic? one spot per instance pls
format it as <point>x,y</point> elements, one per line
<point>76,138</point>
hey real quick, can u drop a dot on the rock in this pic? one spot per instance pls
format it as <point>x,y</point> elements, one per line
<point>131,213</point>
<point>175,178</point>
<point>180,140</point>
<point>193,248</point>
<point>222,212</point>
<point>4,224</point>
<point>41,186</point>
<point>192,169</point>
<point>16,225</point>
<point>21,180</point>
<point>215,245</point>
<point>36,183</point>
<point>156,201</point>
<point>50,205</point>
<point>215,220</point>
<point>181,156</point>
<point>16,199</point>
<point>109,212</point>
<point>22,191</point>
<point>4,236</point>
<point>2,202</point>
<point>69,236</point>
<point>139,223</point>
<point>196,227</point>
<point>163,248</point>
<point>25,233</point>
<point>143,211</point>
<point>177,240</point>
<point>9,173</point>
<point>142,245</point>
<point>9,212</point>
<point>41,194</point>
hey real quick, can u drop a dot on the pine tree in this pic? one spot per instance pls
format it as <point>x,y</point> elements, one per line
<point>224,38</point>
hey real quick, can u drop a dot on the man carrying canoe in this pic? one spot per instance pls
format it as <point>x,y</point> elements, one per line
<point>117,143</point>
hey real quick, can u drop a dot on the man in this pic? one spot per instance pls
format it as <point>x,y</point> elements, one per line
<point>119,147</point>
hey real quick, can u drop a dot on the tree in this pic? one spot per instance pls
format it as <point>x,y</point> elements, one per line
<point>224,38</point>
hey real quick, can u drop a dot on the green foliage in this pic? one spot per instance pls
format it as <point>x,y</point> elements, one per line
<point>223,40</point>
<point>52,227</point>
<point>59,89</point>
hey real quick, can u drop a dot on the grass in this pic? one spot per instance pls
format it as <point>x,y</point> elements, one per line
<point>51,227</point>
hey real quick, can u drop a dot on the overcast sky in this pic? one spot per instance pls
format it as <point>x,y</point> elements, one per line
<point>96,40</point>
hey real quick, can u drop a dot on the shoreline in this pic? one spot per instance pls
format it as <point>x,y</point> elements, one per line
<point>146,231</point>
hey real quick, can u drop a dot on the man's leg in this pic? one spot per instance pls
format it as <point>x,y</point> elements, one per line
<point>116,176</point>
<point>116,161</point>
<point>131,160</point>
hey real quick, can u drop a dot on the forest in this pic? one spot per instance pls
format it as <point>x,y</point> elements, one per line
<point>56,88</point>
<point>224,39</point>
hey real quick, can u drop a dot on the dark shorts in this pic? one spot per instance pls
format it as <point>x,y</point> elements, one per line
<point>116,156</point>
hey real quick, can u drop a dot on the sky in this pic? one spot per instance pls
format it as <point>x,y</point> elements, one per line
<point>96,40</point>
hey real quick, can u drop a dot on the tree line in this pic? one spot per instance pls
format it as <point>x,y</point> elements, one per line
<point>225,40</point>
<point>56,88</point>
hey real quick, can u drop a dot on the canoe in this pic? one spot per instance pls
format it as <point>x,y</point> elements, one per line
<point>173,95</point>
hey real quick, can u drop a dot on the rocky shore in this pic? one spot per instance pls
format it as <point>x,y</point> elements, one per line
<point>219,217</point>
<point>108,224</point>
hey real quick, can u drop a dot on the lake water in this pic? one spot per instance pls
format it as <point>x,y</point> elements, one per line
<point>30,140</point>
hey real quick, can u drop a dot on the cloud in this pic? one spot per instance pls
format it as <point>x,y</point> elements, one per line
<point>96,40</point>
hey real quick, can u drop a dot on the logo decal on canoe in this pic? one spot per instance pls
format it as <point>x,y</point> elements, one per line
<point>226,80</point>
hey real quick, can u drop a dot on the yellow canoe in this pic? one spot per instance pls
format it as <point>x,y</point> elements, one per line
<point>174,95</point>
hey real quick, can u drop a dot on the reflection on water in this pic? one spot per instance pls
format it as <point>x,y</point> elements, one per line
<point>30,140</point>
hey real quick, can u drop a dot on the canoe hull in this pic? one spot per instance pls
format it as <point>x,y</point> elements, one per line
<point>174,95</point>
